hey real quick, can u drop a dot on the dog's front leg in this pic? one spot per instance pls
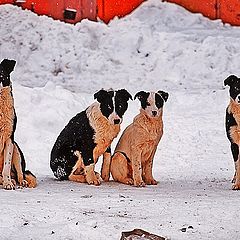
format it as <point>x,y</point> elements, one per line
<point>147,170</point>
<point>91,177</point>
<point>8,152</point>
<point>105,171</point>
<point>16,160</point>
<point>137,169</point>
<point>236,185</point>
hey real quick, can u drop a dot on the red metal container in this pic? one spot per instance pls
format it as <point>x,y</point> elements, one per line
<point>108,9</point>
<point>71,11</point>
<point>206,7</point>
<point>229,11</point>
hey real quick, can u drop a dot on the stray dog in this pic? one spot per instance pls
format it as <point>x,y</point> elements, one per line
<point>12,162</point>
<point>133,157</point>
<point>233,125</point>
<point>87,136</point>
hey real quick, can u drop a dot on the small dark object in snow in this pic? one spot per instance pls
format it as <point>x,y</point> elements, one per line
<point>26,223</point>
<point>52,232</point>
<point>183,229</point>
<point>190,227</point>
<point>139,234</point>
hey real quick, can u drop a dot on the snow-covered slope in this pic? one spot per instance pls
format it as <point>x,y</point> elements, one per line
<point>159,43</point>
<point>159,46</point>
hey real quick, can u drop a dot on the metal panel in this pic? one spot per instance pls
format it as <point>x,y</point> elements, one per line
<point>89,9</point>
<point>230,11</point>
<point>108,9</point>
<point>206,7</point>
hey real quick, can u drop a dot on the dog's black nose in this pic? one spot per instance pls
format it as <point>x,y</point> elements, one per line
<point>154,113</point>
<point>116,121</point>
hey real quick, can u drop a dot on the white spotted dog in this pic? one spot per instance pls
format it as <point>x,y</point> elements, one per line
<point>233,125</point>
<point>87,136</point>
<point>133,157</point>
<point>12,162</point>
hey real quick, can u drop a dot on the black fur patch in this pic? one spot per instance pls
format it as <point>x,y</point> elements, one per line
<point>143,96</point>
<point>6,67</point>
<point>121,102</point>
<point>234,83</point>
<point>76,136</point>
<point>111,101</point>
<point>158,101</point>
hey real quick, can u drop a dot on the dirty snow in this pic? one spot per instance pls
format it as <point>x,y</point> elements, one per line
<point>159,46</point>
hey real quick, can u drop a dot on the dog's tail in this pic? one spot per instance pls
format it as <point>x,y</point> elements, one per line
<point>31,179</point>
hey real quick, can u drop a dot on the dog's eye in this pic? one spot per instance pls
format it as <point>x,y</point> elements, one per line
<point>148,104</point>
<point>109,107</point>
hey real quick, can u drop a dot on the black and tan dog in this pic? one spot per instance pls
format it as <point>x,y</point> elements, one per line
<point>233,125</point>
<point>87,136</point>
<point>133,157</point>
<point>12,162</point>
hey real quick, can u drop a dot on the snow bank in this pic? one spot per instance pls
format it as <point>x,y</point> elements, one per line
<point>159,45</point>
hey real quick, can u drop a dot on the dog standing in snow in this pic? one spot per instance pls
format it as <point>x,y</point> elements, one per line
<point>233,125</point>
<point>133,157</point>
<point>87,136</point>
<point>12,162</point>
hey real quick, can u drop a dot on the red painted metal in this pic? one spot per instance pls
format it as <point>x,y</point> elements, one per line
<point>206,7</point>
<point>108,9</point>
<point>226,10</point>
<point>229,11</point>
<point>55,8</point>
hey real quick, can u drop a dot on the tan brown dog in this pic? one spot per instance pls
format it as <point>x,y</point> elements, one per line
<point>133,157</point>
<point>12,162</point>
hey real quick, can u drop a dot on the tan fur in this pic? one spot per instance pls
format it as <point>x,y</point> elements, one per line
<point>6,129</point>
<point>105,132</point>
<point>31,181</point>
<point>6,116</point>
<point>139,142</point>
<point>234,131</point>
<point>105,171</point>
<point>9,154</point>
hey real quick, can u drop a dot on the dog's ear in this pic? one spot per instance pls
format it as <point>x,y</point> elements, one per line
<point>230,80</point>
<point>164,95</point>
<point>141,95</point>
<point>8,65</point>
<point>125,94</point>
<point>101,95</point>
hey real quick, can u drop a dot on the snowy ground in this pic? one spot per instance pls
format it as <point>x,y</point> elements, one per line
<point>160,46</point>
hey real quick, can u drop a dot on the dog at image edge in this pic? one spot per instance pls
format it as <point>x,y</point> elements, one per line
<point>12,162</point>
<point>87,136</point>
<point>133,157</point>
<point>233,125</point>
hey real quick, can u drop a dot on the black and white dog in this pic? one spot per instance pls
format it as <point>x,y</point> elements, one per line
<point>87,136</point>
<point>12,162</point>
<point>233,125</point>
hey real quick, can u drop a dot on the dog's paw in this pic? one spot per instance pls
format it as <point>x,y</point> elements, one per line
<point>23,184</point>
<point>105,177</point>
<point>139,184</point>
<point>236,186</point>
<point>129,181</point>
<point>9,185</point>
<point>94,181</point>
<point>151,181</point>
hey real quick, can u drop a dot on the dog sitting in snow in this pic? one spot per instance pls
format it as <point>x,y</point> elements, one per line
<point>233,125</point>
<point>133,157</point>
<point>87,136</point>
<point>12,162</point>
